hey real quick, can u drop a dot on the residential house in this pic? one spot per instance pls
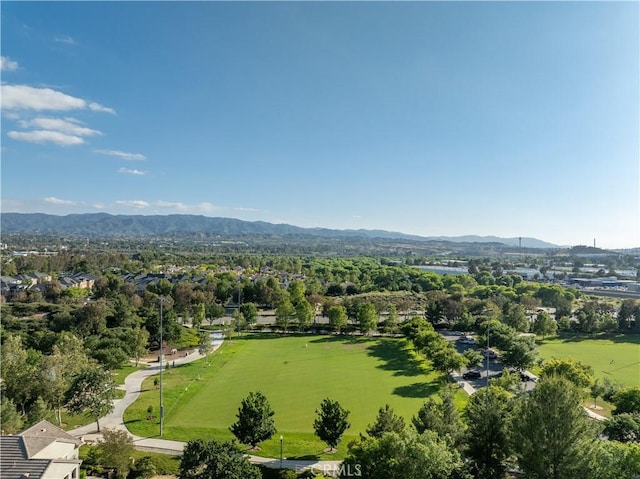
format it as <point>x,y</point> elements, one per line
<point>42,451</point>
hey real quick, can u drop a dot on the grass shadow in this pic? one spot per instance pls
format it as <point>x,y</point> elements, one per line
<point>395,358</point>
<point>417,390</point>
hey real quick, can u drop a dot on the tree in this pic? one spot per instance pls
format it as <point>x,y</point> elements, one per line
<point>552,437</point>
<point>204,345</point>
<point>616,460</point>
<point>575,371</point>
<point>250,313</point>
<point>199,313</point>
<point>214,311</point>
<point>331,422</point>
<point>367,318</point>
<point>255,420</point>
<point>92,392</point>
<point>521,353</point>
<point>446,359</point>
<point>305,314</point>
<point>284,313</point>
<point>215,460</point>
<point>392,321</point>
<point>139,342</point>
<point>473,357</point>
<point>338,317</point>
<point>623,427</point>
<point>487,434</point>
<point>627,401</point>
<point>405,455</point>
<point>386,421</point>
<point>442,417</point>
<point>10,419</point>
<point>117,450</point>
<point>20,367</point>
<point>544,325</point>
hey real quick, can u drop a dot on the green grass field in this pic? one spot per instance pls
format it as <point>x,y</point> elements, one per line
<point>295,373</point>
<point>616,357</point>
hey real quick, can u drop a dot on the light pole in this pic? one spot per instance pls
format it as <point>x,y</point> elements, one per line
<point>281,439</point>
<point>162,300</point>
<point>486,357</point>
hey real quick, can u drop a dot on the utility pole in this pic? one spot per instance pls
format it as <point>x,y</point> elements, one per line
<point>162,300</point>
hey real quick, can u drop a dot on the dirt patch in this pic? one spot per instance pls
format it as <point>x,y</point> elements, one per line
<point>169,354</point>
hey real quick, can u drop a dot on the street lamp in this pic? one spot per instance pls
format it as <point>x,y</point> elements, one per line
<point>162,300</point>
<point>281,439</point>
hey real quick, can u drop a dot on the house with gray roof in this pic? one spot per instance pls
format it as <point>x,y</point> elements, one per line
<point>43,451</point>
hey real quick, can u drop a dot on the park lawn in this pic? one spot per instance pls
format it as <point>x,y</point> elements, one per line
<point>616,357</point>
<point>295,373</point>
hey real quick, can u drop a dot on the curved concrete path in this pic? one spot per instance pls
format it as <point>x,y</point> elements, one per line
<point>133,387</point>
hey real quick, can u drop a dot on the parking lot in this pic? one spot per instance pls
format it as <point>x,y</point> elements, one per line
<point>491,368</point>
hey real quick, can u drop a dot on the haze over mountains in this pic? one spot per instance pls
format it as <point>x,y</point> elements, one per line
<point>106,225</point>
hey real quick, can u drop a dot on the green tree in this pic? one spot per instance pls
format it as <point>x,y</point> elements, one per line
<point>139,342</point>
<point>10,419</point>
<point>487,435</point>
<point>405,455</point>
<point>473,357</point>
<point>92,392</point>
<point>623,427</point>
<point>440,416</point>
<point>250,313</point>
<point>521,353</point>
<point>616,460</point>
<point>338,317</point>
<point>117,450</point>
<point>544,325</point>
<point>214,311</point>
<point>199,313</point>
<point>331,422</point>
<point>552,437</point>
<point>305,314</point>
<point>446,359</point>
<point>285,312</point>
<point>215,460</point>
<point>255,420</point>
<point>20,372</point>
<point>386,421</point>
<point>627,401</point>
<point>575,371</point>
<point>392,321</point>
<point>367,317</point>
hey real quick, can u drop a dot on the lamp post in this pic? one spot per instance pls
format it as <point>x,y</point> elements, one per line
<point>486,358</point>
<point>162,300</point>
<point>281,439</point>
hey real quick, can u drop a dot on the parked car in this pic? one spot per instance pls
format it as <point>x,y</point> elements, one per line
<point>489,353</point>
<point>473,374</point>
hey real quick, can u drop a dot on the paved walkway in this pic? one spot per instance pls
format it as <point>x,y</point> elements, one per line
<point>469,389</point>
<point>133,387</point>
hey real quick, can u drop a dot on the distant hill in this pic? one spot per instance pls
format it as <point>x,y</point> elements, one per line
<point>106,225</point>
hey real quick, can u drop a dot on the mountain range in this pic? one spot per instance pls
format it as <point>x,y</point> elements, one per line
<point>107,225</point>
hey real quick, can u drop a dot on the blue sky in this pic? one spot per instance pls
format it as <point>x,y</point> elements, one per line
<point>505,118</point>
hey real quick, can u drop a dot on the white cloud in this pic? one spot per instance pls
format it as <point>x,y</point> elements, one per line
<point>132,172</point>
<point>44,136</point>
<point>98,107</point>
<point>57,201</point>
<point>23,97</point>
<point>64,39</point>
<point>68,125</point>
<point>167,204</point>
<point>122,154</point>
<point>7,65</point>
<point>140,204</point>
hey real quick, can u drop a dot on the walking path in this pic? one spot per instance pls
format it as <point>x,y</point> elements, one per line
<point>469,389</point>
<point>133,387</point>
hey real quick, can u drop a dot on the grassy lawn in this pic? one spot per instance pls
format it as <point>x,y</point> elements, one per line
<point>295,373</point>
<point>616,357</point>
